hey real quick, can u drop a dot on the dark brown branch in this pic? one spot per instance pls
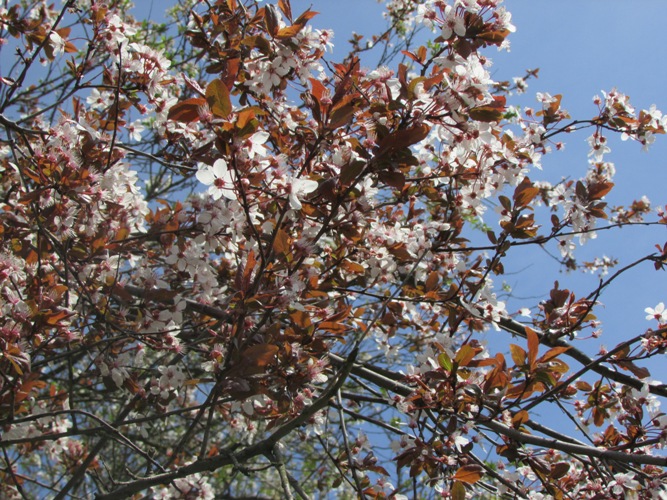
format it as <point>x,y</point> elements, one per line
<point>571,448</point>
<point>556,444</point>
<point>231,457</point>
<point>517,328</point>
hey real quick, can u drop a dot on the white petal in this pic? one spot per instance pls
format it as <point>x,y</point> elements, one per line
<point>229,194</point>
<point>304,186</point>
<point>117,377</point>
<point>205,176</point>
<point>259,137</point>
<point>459,27</point>
<point>215,192</point>
<point>294,201</point>
<point>220,168</point>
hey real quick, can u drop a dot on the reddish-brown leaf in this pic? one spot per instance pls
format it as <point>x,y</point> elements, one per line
<point>305,17</point>
<point>281,242</point>
<point>244,117</point>
<point>412,56</point>
<point>492,112</point>
<point>341,115</point>
<point>349,172</point>
<point>637,371</point>
<point>403,138</point>
<point>520,418</point>
<point>583,386</point>
<point>247,271</point>
<point>495,37</point>
<point>255,358</point>
<point>318,89</point>
<point>400,251</point>
<point>217,96</point>
<point>524,193</point>
<point>598,190</point>
<point>392,178</point>
<point>301,319</point>
<point>552,353</point>
<point>465,354</point>
<point>533,346</point>
<point>257,42</point>
<point>286,8</point>
<point>186,111</point>
<point>432,281</point>
<point>271,20</point>
<point>559,470</point>
<point>332,327</point>
<point>55,318</point>
<point>469,474</point>
<point>289,32</point>
<point>518,355</point>
<point>353,267</point>
<point>160,295</point>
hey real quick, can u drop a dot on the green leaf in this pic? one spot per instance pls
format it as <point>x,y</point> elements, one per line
<point>445,361</point>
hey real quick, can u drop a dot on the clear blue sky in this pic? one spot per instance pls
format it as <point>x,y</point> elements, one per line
<point>581,48</point>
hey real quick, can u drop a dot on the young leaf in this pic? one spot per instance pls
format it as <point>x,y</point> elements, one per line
<point>445,361</point>
<point>524,193</point>
<point>186,111</point>
<point>469,474</point>
<point>458,491</point>
<point>218,98</point>
<point>533,346</point>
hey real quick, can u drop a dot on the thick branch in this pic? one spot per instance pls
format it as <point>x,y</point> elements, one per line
<point>575,449</point>
<point>517,328</point>
<point>230,457</point>
<point>556,444</point>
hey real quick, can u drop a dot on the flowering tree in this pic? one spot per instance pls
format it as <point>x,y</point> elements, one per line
<point>233,266</point>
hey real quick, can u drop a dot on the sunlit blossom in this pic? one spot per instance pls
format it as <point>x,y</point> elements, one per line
<point>219,179</point>
<point>658,313</point>
<point>298,188</point>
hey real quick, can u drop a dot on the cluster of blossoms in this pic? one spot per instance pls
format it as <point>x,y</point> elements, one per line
<point>194,486</point>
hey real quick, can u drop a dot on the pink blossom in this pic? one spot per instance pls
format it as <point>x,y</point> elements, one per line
<point>219,179</point>
<point>298,189</point>
<point>453,24</point>
<point>658,313</point>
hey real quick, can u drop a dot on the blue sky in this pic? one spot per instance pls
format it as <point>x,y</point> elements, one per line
<point>581,48</point>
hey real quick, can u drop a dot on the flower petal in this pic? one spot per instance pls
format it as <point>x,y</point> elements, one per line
<point>304,186</point>
<point>294,201</point>
<point>205,176</point>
